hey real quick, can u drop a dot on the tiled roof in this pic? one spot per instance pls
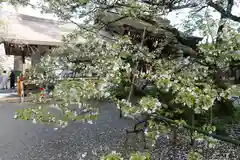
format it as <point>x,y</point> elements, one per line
<point>25,29</point>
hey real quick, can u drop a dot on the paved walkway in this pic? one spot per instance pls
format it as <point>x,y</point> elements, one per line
<point>23,140</point>
<point>9,95</point>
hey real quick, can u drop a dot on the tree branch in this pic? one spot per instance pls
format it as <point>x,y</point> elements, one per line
<point>171,5</point>
<point>225,13</point>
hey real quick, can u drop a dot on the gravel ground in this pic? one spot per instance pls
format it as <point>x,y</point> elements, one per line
<point>222,151</point>
<point>80,140</point>
<point>69,143</point>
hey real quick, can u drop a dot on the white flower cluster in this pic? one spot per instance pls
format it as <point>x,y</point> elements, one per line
<point>150,104</point>
<point>62,124</point>
<point>112,155</point>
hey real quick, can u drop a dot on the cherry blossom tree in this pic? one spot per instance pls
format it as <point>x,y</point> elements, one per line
<point>174,83</point>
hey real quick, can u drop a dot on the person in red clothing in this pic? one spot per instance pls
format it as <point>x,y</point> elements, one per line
<point>42,92</point>
<point>21,77</point>
<point>20,84</point>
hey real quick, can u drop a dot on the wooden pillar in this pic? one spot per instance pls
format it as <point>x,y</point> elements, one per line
<point>35,57</point>
<point>17,63</point>
<point>24,53</point>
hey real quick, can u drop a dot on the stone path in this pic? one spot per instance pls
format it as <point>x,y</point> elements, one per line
<point>9,95</point>
<point>23,140</point>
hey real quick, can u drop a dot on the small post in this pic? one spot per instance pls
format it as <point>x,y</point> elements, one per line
<point>192,131</point>
<point>174,142</point>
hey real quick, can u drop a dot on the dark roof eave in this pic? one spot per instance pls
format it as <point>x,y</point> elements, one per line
<point>31,42</point>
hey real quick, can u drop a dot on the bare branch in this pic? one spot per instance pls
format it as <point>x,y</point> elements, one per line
<point>225,13</point>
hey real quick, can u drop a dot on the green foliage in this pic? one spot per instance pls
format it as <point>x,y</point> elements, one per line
<point>35,114</point>
<point>133,156</point>
<point>178,88</point>
<point>194,156</point>
<point>112,156</point>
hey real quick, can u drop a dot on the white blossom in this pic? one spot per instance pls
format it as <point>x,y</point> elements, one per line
<point>90,122</point>
<point>84,154</point>
<point>34,121</point>
<point>106,94</point>
<point>75,113</point>
<point>15,116</point>
<point>158,104</point>
<point>64,124</point>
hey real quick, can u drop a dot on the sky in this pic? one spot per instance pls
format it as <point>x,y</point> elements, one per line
<point>175,18</point>
<point>28,10</point>
<point>36,12</point>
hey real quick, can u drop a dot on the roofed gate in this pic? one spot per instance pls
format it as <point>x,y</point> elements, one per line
<point>157,31</point>
<point>27,36</point>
